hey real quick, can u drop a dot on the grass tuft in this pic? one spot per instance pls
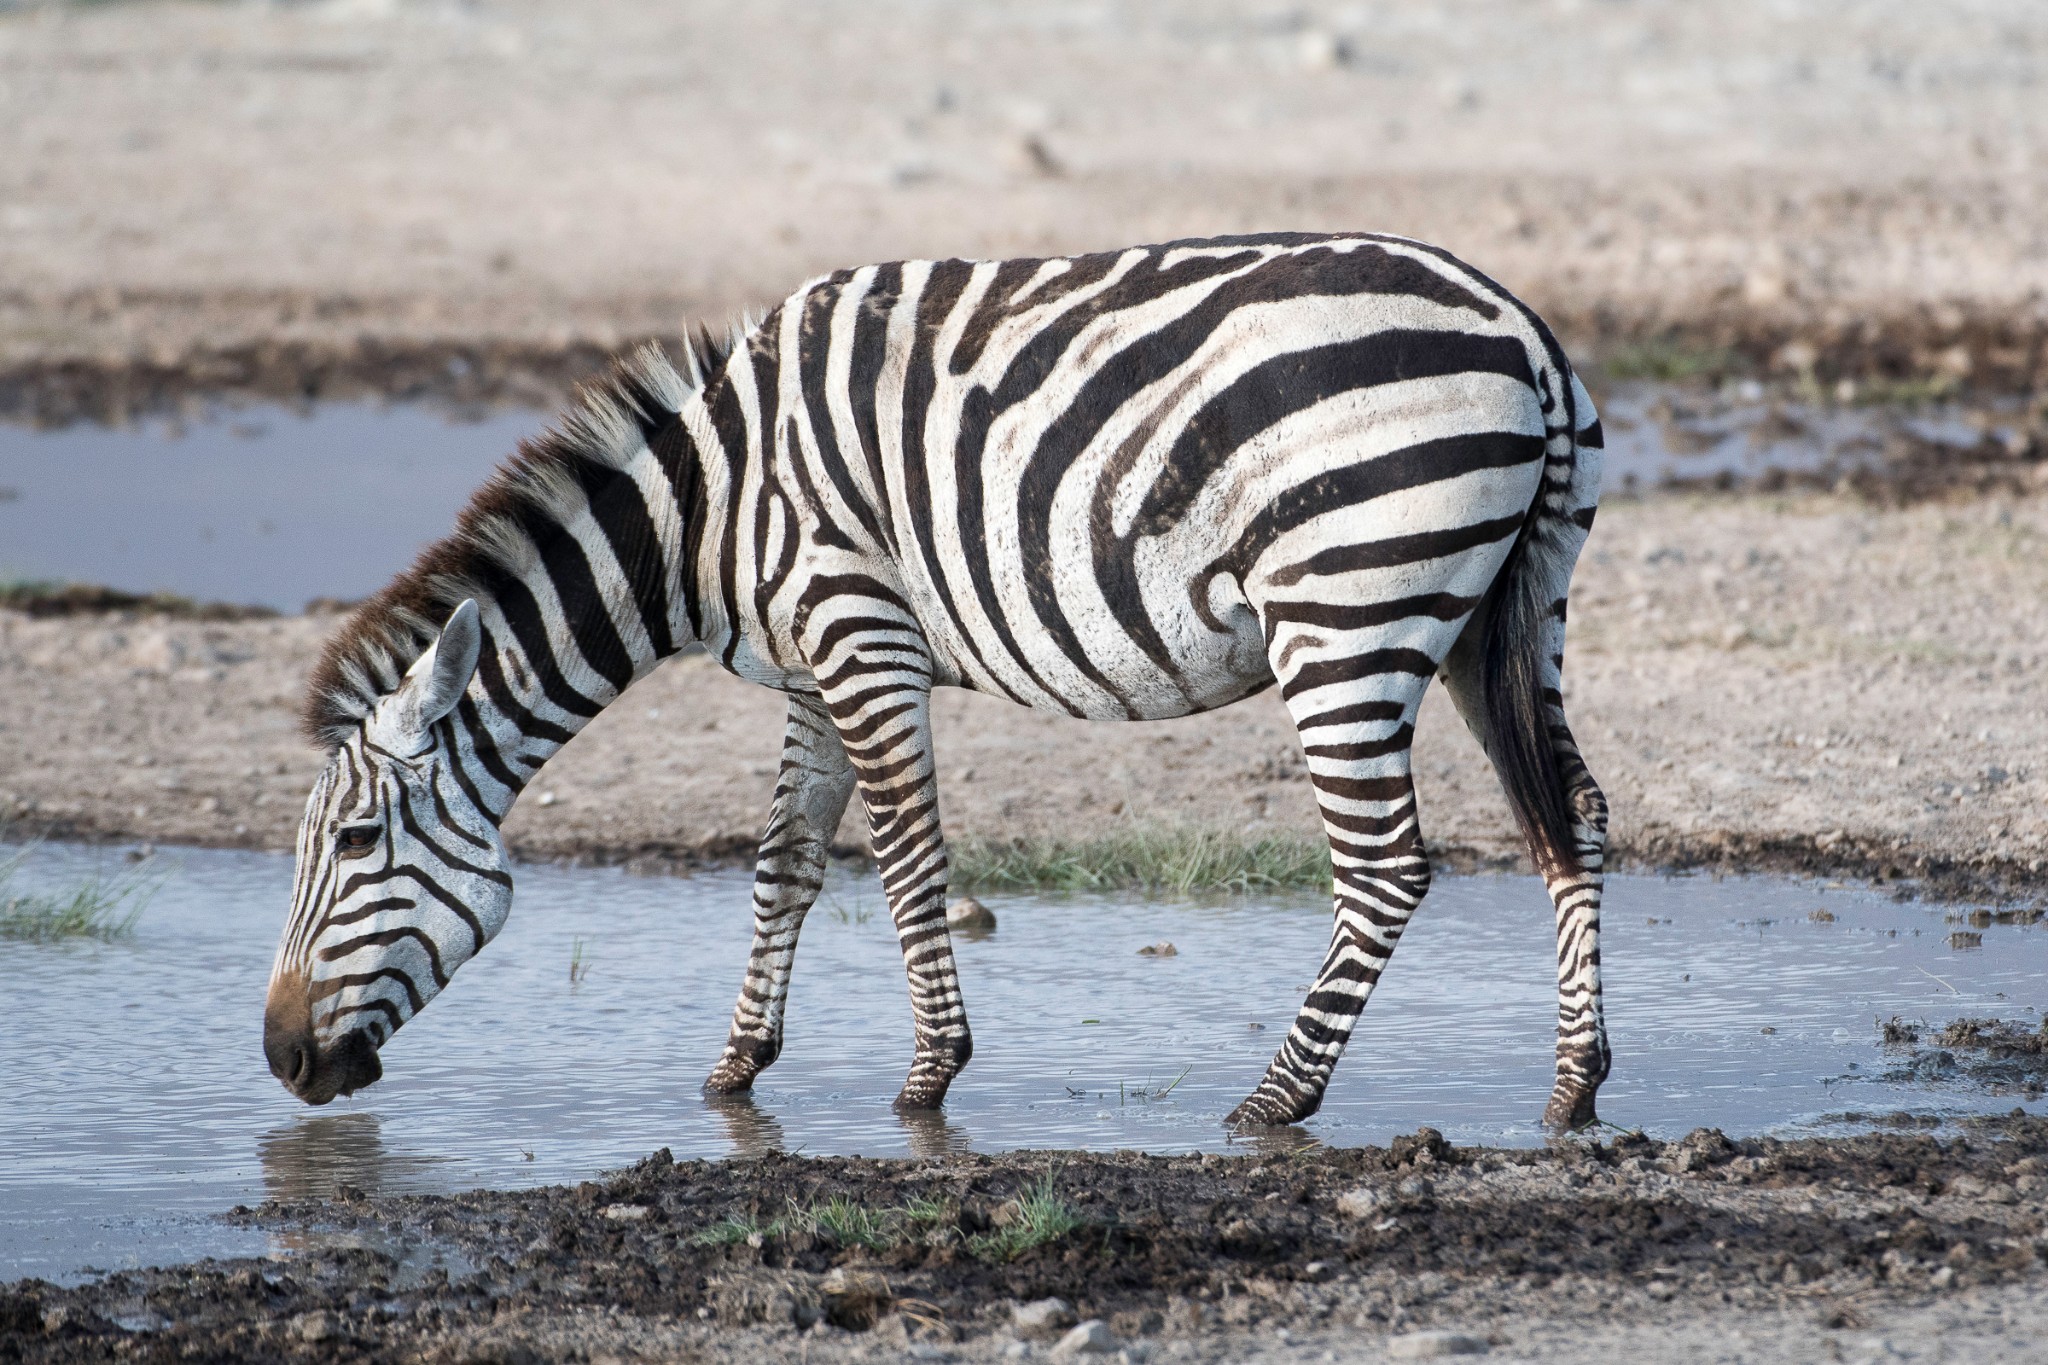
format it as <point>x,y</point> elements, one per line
<point>103,907</point>
<point>1670,361</point>
<point>1147,858</point>
<point>1034,1217</point>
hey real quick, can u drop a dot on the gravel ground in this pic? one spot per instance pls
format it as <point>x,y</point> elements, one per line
<point>1880,1248</point>
<point>466,198</point>
<point>1800,682</point>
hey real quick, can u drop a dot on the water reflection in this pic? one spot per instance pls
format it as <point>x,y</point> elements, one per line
<point>752,1130</point>
<point>320,1155</point>
<point>932,1137</point>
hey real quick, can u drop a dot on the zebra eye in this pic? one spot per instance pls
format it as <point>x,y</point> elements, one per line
<point>353,841</point>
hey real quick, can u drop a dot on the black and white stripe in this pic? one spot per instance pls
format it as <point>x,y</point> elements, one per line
<point>1124,486</point>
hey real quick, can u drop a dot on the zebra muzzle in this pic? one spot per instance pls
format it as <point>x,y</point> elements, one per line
<point>312,1073</point>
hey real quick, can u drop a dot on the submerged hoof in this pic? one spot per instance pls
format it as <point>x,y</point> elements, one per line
<point>732,1076</point>
<point>919,1099</point>
<point>1266,1109</point>
<point>1570,1108</point>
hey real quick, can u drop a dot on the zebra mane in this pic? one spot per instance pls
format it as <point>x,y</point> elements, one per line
<point>536,492</point>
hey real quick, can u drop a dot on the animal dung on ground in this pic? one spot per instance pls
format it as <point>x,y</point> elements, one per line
<point>970,916</point>
<point>1159,949</point>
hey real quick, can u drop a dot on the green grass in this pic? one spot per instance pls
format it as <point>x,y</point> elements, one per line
<point>1038,1216</point>
<point>1669,361</point>
<point>104,907</point>
<point>1146,858</point>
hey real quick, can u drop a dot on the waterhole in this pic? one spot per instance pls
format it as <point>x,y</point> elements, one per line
<point>273,507</point>
<point>137,1104</point>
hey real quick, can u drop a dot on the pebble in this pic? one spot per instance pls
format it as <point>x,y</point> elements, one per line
<point>1091,1338</point>
<point>625,1213</point>
<point>1362,1202</point>
<point>316,1326</point>
<point>1041,1318</point>
<point>970,914</point>
<point>1432,1345</point>
<point>1159,949</point>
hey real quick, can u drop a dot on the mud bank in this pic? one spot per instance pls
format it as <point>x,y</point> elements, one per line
<point>1677,1250</point>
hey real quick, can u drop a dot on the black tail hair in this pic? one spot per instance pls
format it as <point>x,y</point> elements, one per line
<point>1517,718</point>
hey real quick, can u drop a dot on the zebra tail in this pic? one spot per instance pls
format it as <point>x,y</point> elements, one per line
<point>1517,709</point>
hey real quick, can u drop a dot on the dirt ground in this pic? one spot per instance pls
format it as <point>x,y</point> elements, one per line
<point>475,199</point>
<point>1889,1247</point>
<point>1803,682</point>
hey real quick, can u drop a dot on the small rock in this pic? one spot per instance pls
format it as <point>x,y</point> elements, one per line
<point>1967,1186</point>
<point>971,916</point>
<point>1091,1338</point>
<point>1041,1318</point>
<point>1017,1350</point>
<point>1414,1187</point>
<point>1363,1202</point>
<point>625,1213</point>
<point>316,1327</point>
<point>1316,1272</point>
<point>1159,949</point>
<point>1431,1345</point>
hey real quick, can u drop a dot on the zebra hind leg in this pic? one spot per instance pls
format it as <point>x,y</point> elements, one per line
<point>811,792</point>
<point>1583,1055</point>
<point>1356,733</point>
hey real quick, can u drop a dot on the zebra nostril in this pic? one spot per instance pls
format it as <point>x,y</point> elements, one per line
<point>301,1065</point>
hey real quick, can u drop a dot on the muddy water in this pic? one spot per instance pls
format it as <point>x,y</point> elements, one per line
<point>274,507</point>
<point>136,1101</point>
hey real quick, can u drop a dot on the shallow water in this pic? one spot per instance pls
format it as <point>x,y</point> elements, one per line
<point>265,507</point>
<point>274,507</point>
<point>136,1100</point>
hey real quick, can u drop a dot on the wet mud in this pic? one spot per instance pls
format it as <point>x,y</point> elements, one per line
<point>1995,1056</point>
<point>790,1257</point>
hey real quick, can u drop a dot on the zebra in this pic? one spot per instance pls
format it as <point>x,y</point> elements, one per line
<point>1125,486</point>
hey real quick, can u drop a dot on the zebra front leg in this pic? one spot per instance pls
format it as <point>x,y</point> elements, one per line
<point>811,792</point>
<point>1357,748</point>
<point>887,733</point>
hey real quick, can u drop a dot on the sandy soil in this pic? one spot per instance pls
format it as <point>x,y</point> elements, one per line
<point>1880,1248</point>
<point>404,196</point>
<point>1804,681</point>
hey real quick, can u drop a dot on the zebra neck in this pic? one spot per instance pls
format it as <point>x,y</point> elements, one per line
<point>594,611</point>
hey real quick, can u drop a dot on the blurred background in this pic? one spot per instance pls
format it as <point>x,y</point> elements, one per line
<point>368,201</point>
<point>186,184</point>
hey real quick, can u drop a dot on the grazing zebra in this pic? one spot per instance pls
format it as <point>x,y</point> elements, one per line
<point>1123,486</point>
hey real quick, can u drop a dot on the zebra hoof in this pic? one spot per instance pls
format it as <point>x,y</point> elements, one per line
<point>1264,1110</point>
<point>919,1100</point>
<point>731,1077</point>
<point>1570,1108</point>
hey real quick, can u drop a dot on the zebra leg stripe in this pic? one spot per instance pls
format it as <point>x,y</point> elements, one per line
<point>1583,1056</point>
<point>811,793</point>
<point>884,717</point>
<point>1367,800</point>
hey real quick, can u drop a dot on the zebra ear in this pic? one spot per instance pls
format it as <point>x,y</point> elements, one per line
<point>437,680</point>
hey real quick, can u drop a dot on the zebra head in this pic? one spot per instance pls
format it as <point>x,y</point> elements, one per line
<point>402,877</point>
